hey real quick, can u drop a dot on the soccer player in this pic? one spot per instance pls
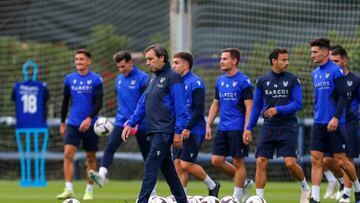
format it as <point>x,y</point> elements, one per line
<point>85,89</point>
<point>164,104</point>
<point>194,132</point>
<point>130,85</point>
<point>327,133</point>
<point>278,96</point>
<point>233,98</point>
<point>352,87</point>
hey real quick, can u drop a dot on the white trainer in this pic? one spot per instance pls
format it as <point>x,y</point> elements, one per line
<point>305,196</point>
<point>97,178</point>
<point>331,190</point>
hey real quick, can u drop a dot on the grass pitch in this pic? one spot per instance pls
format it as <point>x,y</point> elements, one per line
<point>127,191</point>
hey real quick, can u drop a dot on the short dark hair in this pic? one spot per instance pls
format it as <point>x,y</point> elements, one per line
<point>339,50</point>
<point>85,52</point>
<point>323,43</point>
<point>159,51</point>
<point>274,54</point>
<point>185,56</point>
<point>122,55</point>
<point>234,53</point>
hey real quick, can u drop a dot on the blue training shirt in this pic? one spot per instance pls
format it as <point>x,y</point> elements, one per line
<point>352,89</point>
<point>129,90</point>
<point>326,93</point>
<point>280,90</point>
<point>231,93</point>
<point>195,99</point>
<point>30,99</point>
<point>83,88</point>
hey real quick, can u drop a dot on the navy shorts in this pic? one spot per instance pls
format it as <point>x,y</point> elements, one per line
<point>230,143</point>
<point>190,149</point>
<point>328,142</point>
<point>89,139</point>
<point>352,139</point>
<point>283,140</point>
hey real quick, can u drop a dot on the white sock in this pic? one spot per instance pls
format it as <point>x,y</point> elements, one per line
<point>185,190</point>
<point>238,192</point>
<point>315,192</point>
<point>89,188</point>
<point>329,176</point>
<point>209,182</point>
<point>303,185</point>
<point>103,171</point>
<point>260,192</point>
<point>347,191</point>
<point>69,186</point>
<point>356,185</point>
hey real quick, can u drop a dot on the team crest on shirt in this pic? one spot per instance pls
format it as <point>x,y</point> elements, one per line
<point>119,83</point>
<point>234,83</point>
<point>222,84</point>
<point>162,79</point>
<point>133,82</point>
<point>349,83</point>
<point>74,81</point>
<point>186,87</point>
<point>327,74</point>
<point>89,82</point>
<point>227,85</point>
<point>285,83</point>
<point>198,82</point>
<point>267,83</point>
<point>315,76</point>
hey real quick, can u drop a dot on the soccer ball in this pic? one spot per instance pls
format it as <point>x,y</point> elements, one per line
<point>103,127</point>
<point>255,199</point>
<point>171,199</point>
<point>229,199</point>
<point>210,199</point>
<point>157,199</point>
<point>191,199</point>
<point>71,200</point>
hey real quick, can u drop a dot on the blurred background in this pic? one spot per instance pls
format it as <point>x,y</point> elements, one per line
<point>49,32</point>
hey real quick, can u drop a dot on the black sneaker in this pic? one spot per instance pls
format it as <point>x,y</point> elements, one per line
<point>357,197</point>
<point>215,192</point>
<point>313,201</point>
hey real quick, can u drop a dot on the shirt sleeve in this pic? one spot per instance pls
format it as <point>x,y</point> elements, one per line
<point>139,112</point>
<point>198,105</point>
<point>256,108</point>
<point>177,93</point>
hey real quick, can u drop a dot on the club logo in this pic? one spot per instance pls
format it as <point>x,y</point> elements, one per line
<point>267,83</point>
<point>285,83</point>
<point>186,87</point>
<point>222,84</point>
<point>158,153</point>
<point>234,83</point>
<point>89,82</point>
<point>162,79</point>
<point>315,76</point>
<point>119,83</point>
<point>133,82</point>
<point>327,74</point>
<point>349,83</point>
<point>74,81</point>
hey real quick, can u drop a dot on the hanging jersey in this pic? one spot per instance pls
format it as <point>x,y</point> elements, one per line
<point>231,93</point>
<point>82,90</point>
<point>30,99</point>
<point>129,90</point>
<point>352,89</point>
<point>325,94</point>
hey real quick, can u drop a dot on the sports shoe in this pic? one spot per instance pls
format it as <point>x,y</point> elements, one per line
<point>357,197</point>
<point>313,201</point>
<point>65,194</point>
<point>331,190</point>
<point>97,178</point>
<point>215,191</point>
<point>88,195</point>
<point>247,187</point>
<point>344,199</point>
<point>305,196</point>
